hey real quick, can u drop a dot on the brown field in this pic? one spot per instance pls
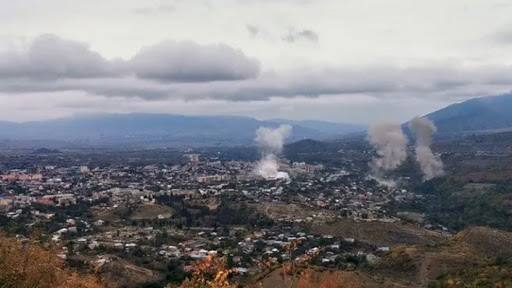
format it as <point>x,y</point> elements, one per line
<point>151,211</point>
<point>142,211</point>
<point>110,215</point>
<point>379,233</point>
<point>122,273</point>
<point>293,211</point>
<point>333,278</point>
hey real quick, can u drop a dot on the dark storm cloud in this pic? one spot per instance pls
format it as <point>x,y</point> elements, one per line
<point>306,34</point>
<point>191,62</point>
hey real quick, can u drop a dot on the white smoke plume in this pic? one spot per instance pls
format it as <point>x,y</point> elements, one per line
<point>384,182</point>
<point>270,143</point>
<point>268,168</point>
<point>390,142</point>
<point>270,140</point>
<point>430,164</point>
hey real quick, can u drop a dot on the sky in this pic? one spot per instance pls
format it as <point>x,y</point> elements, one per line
<point>338,60</point>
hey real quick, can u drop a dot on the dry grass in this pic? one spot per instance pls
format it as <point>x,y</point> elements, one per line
<point>487,241</point>
<point>313,278</point>
<point>125,274</point>
<point>379,233</point>
<point>151,211</point>
<point>31,266</point>
<point>472,249</point>
<point>293,211</point>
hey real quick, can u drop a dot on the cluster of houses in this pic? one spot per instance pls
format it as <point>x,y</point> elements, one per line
<point>331,193</point>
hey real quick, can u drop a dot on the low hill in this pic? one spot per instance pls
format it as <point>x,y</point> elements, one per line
<point>325,152</point>
<point>46,151</point>
<point>311,146</point>
<point>487,241</point>
<point>151,211</point>
<point>478,196</point>
<point>476,255</point>
<point>380,233</point>
<point>471,258</point>
<point>324,126</point>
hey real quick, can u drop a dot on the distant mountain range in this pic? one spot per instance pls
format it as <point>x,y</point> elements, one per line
<point>163,130</point>
<point>485,114</point>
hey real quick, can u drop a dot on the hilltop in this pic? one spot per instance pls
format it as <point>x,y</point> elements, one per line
<point>471,256</point>
<point>477,255</point>
<point>46,151</point>
<point>490,113</point>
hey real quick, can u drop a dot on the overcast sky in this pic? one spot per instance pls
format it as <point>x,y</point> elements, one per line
<point>351,61</point>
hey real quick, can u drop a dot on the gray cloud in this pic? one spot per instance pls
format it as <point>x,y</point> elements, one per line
<point>379,82</point>
<point>166,8</point>
<point>191,62</point>
<point>50,57</point>
<point>306,34</point>
<point>253,30</point>
<point>503,36</point>
<point>292,35</point>
<point>144,10</point>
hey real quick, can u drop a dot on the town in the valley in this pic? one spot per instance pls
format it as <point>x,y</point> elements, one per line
<point>162,217</point>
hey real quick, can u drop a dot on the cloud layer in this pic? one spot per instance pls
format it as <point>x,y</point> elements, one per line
<point>190,71</point>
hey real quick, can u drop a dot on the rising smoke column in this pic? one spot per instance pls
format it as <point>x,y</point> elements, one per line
<point>390,142</point>
<point>430,164</point>
<point>270,144</point>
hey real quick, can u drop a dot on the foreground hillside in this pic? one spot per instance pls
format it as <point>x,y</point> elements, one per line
<point>475,257</point>
<point>27,265</point>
